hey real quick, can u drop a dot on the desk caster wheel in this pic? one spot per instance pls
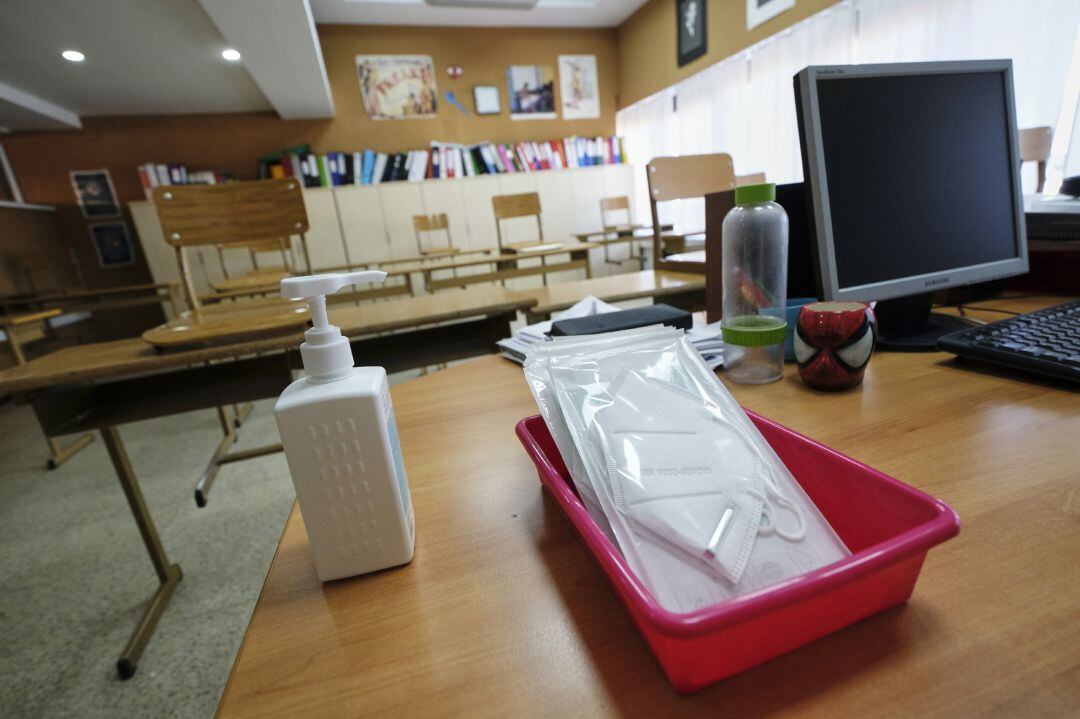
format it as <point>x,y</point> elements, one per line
<point>51,464</point>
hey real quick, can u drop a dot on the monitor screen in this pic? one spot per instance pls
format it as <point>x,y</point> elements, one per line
<point>919,175</point>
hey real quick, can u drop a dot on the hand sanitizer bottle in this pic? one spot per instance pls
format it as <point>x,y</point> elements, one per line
<point>341,442</point>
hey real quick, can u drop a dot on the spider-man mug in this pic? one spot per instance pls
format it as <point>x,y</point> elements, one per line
<point>833,343</point>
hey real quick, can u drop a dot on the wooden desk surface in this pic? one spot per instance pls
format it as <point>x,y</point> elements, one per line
<point>106,360</point>
<point>615,288</point>
<point>502,613</point>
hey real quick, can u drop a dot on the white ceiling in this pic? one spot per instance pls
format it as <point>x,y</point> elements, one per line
<point>143,57</point>
<point>547,13</point>
<point>157,57</point>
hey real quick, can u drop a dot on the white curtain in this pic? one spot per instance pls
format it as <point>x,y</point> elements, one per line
<point>744,105</point>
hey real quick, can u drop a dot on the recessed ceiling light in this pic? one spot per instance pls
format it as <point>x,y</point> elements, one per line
<point>230,55</point>
<point>73,56</point>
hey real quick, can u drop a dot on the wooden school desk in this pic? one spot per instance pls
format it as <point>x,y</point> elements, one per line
<point>502,612</point>
<point>506,265</point>
<point>100,386</point>
<point>681,289</point>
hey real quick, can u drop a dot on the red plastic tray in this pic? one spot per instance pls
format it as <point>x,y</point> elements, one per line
<point>887,525</point>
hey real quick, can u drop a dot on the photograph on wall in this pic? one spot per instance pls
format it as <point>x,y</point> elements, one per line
<point>95,193</point>
<point>396,87</point>
<point>758,11</point>
<point>691,29</point>
<point>579,87</point>
<point>112,244</point>
<point>532,92</point>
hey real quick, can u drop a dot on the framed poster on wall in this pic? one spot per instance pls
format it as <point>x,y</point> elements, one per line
<point>691,29</point>
<point>94,193</point>
<point>112,243</point>
<point>532,92</point>
<point>758,11</point>
<point>397,87</point>
<point>579,87</point>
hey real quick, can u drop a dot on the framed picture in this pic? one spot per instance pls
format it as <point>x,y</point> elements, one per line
<point>579,87</point>
<point>691,29</point>
<point>486,99</point>
<point>532,92</point>
<point>95,193</point>
<point>397,87</point>
<point>112,244</point>
<point>758,11</point>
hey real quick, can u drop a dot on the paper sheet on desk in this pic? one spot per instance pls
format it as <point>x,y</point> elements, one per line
<point>706,339</point>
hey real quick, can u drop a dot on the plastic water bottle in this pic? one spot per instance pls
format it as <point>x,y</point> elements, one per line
<point>755,247</point>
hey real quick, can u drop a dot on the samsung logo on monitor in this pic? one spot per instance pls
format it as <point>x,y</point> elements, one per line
<point>936,283</point>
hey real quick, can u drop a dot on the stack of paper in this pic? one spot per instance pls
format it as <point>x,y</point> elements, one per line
<point>706,339</point>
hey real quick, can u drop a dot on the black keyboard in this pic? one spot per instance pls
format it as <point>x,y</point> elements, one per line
<point>1045,341</point>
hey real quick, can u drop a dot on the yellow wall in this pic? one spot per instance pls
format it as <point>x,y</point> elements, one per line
<point>484,54</point>
<point>648,60</point>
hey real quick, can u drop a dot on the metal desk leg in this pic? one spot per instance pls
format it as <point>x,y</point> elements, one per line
<point>168,574</point>
<point>223,456</point>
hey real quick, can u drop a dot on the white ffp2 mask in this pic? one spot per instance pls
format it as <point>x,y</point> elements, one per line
<point>680,472</point>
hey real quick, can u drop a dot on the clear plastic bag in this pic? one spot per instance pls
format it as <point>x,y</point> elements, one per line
<point>664,457</point>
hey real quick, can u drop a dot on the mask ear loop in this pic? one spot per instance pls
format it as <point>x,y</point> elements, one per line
<point>771,496</point>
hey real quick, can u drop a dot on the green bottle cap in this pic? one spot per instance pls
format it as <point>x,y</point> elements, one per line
<point>749,194</point>
<point>754,331</point>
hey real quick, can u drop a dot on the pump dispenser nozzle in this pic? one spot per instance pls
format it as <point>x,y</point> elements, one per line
<point>326,354</point>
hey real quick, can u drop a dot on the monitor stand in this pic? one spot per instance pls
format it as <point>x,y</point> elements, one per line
<point>906,324</point>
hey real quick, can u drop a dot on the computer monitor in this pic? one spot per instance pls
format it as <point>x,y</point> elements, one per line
<point>913,172</point>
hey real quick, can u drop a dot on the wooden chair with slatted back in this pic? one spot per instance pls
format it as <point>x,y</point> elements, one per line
<point>234,214</point>
<point>426,224</point>
<point>507,207</point>
<point>681,178</point>
<point>623,222</point>
<point>254,249</point>
<point>1035,147</point>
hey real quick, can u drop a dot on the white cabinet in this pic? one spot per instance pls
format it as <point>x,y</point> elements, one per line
<point>365,229</point>
<point>445,197</point>
<point>325,245</point>
<point>401,201</point>
<point>476,194</point>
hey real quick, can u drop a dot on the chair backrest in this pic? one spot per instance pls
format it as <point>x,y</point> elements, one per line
<point>611,205</point>
<point>1035,147</point>
<point>233,212</point>
<point>506,207</point>
<point>230,214</point>
<point>753,178</point>
<point>280,244</point>
<point>680,178</point>
<point>431,223</point>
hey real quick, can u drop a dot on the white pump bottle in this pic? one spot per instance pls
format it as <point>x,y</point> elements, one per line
<point>341,442</point>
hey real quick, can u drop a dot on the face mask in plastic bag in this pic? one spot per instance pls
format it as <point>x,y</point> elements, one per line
<point>682,472</point>
<point>577,380</point>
